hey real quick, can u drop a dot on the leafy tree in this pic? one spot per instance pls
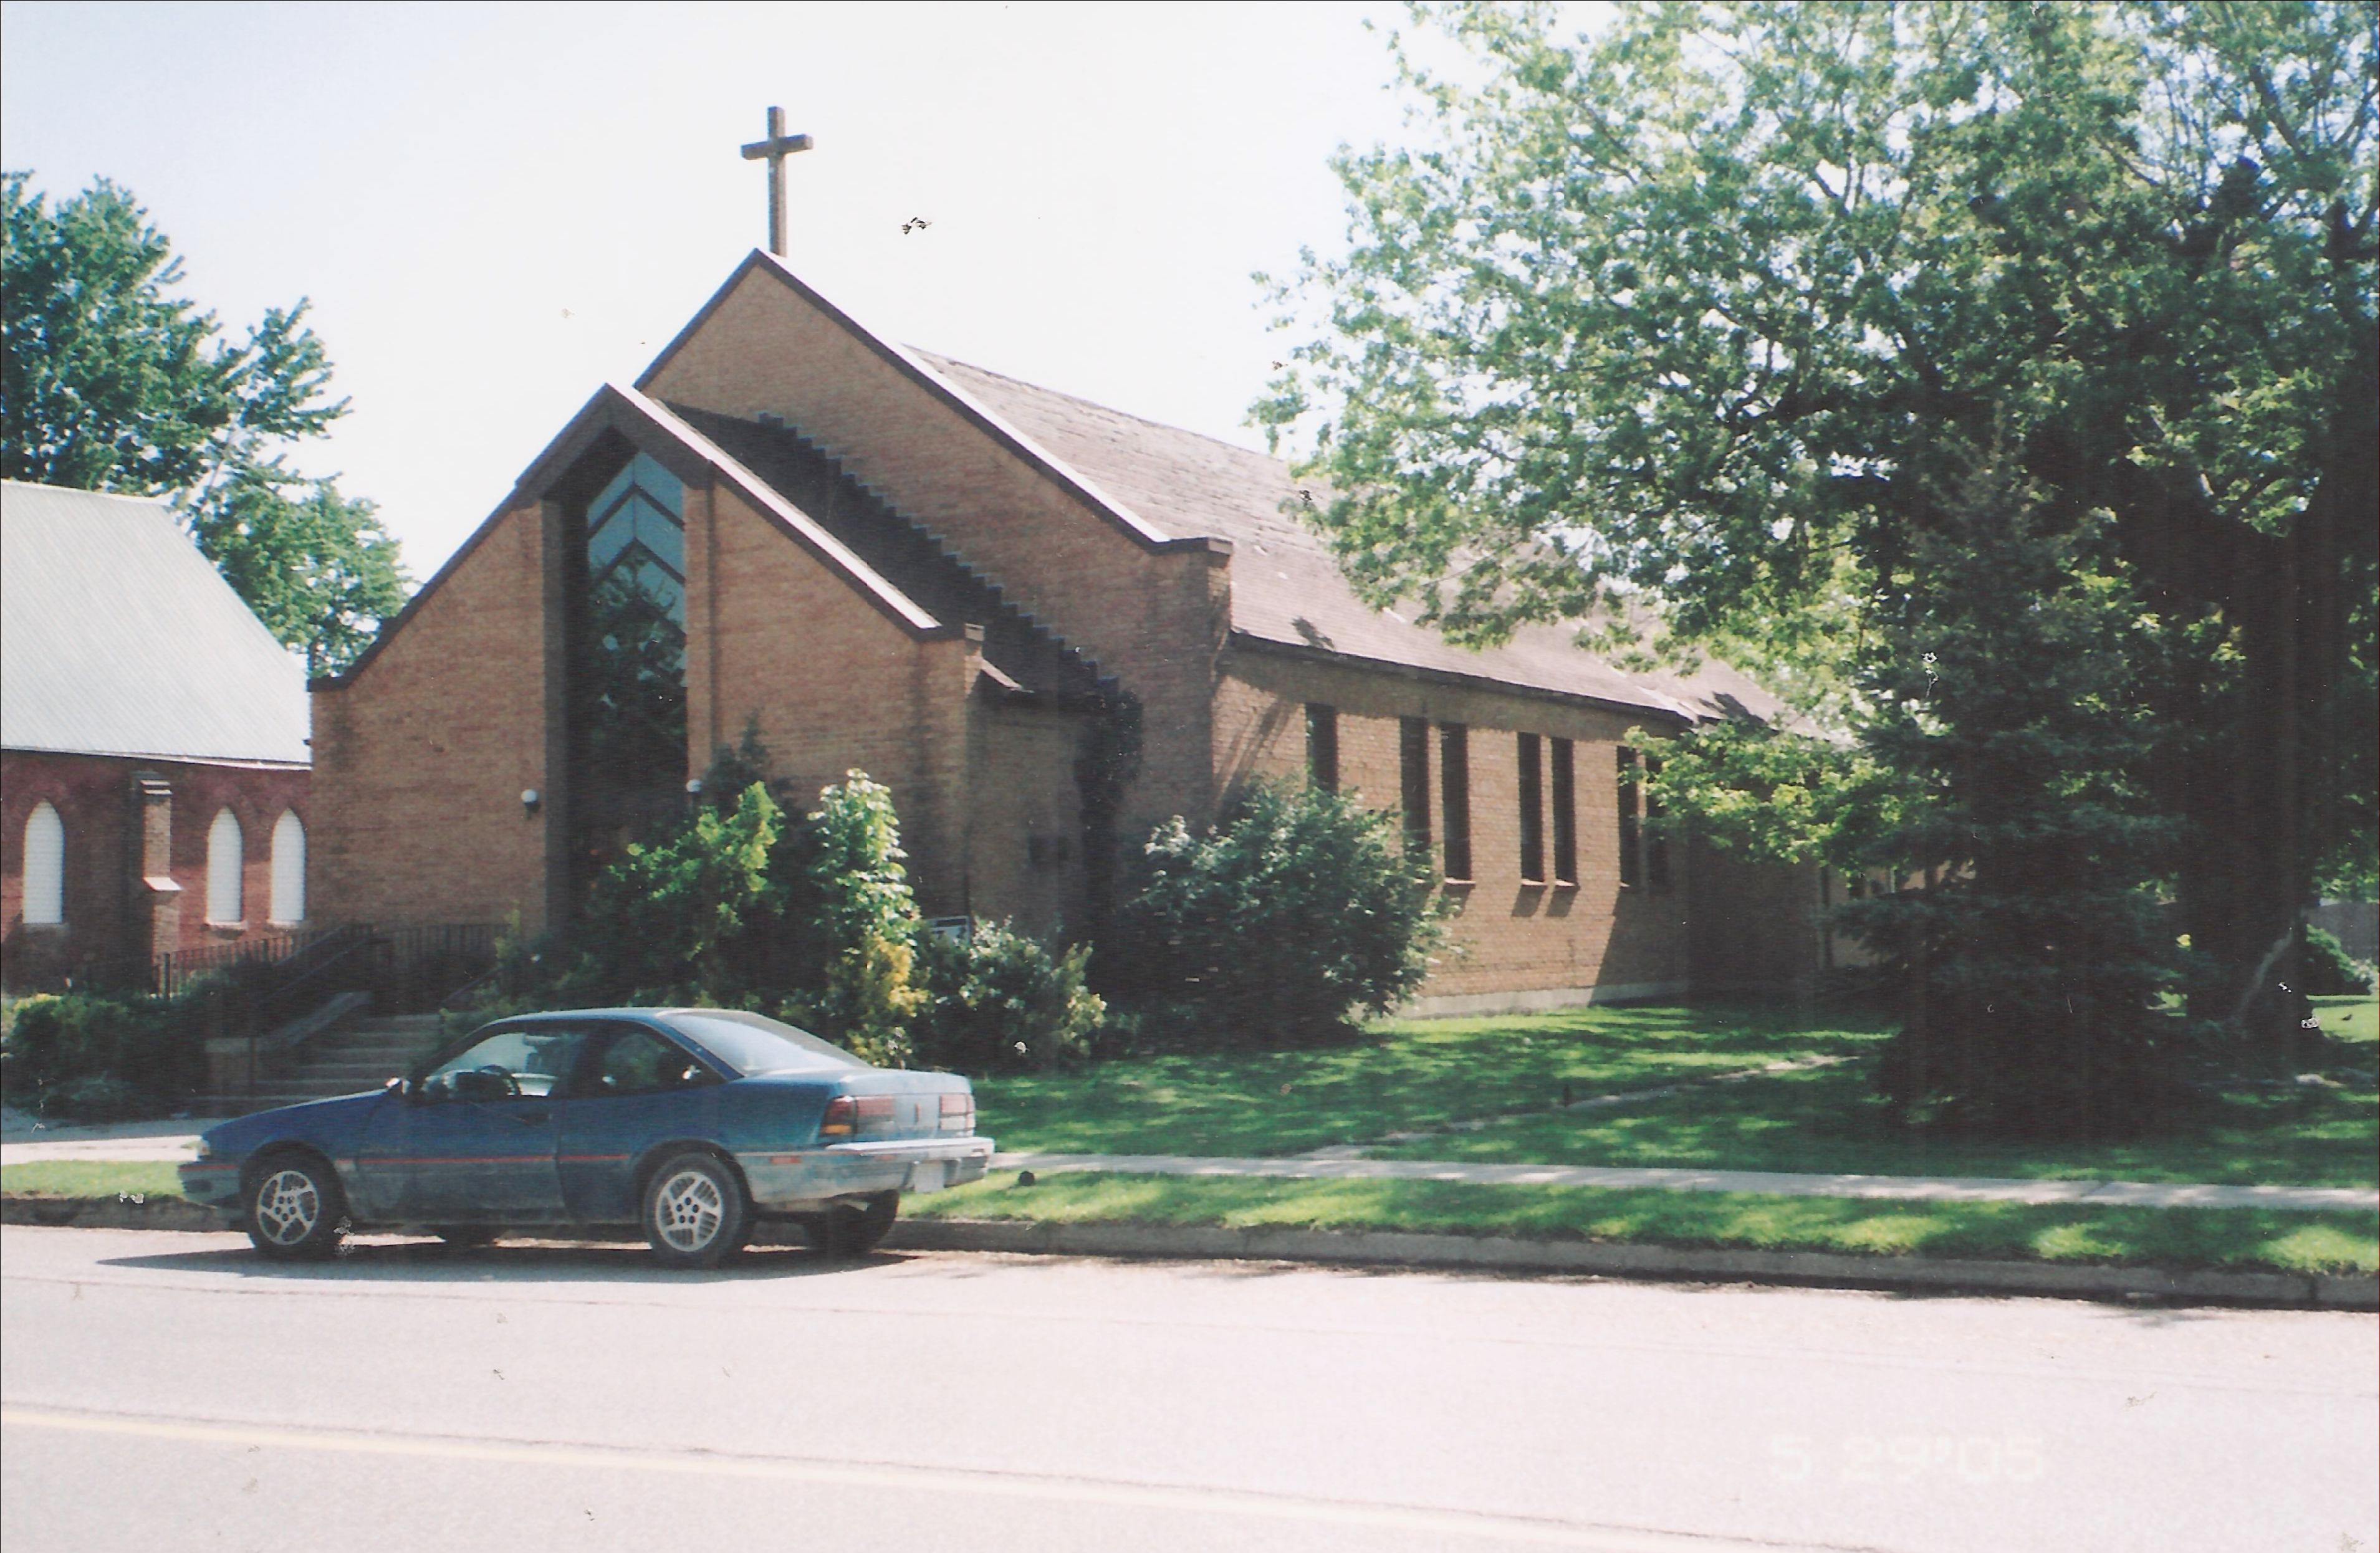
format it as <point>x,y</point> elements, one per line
<point>1293,912</point>
<point>113,383</point>
<point>1698,313</point>
<point>316,566</point>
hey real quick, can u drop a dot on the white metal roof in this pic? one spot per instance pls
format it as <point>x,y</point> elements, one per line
<point>118,638</point>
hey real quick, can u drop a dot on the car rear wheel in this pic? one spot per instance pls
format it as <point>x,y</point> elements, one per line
<point>855,1231</point>
<point>693,1211</point>
<point>296,1211</point>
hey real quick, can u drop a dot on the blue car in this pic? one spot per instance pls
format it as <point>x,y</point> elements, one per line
<point>694,1124</point>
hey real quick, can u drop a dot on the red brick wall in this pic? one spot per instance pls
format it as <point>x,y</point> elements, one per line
<point>420,761</point>
<point>1155,620</point>
<point>106,921</point>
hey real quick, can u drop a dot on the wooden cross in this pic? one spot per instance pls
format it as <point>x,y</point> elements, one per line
<point>776,148</point>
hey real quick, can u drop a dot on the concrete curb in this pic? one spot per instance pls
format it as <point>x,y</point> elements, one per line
<point>1505,1254</point>
<point>1681,1263</point>
<point>113,1213</point>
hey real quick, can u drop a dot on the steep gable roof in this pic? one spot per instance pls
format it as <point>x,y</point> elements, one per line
<point>118,638</point>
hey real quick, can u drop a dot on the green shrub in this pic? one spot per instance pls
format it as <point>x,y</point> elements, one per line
<point>678,911</point>
<point>153,1048</point>
<point>2330,971</point>
<point>997,998</point>
<point>96,1100</point>
<point>1292,913</point>
<point>866,919</point>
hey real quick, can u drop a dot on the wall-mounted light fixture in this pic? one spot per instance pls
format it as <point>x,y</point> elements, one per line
<point>531,798</point>
<point>694,787</point>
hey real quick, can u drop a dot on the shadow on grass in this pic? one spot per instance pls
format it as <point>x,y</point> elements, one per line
<point>1404,1075</point>
<point>1829,1121</point>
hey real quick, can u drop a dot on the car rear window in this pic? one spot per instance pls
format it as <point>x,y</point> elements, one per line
<point>752,1044</point>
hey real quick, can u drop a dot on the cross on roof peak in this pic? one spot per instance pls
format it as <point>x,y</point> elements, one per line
<point>776,148</point>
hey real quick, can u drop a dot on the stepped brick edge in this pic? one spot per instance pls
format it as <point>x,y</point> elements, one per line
<point>1496,1254</point>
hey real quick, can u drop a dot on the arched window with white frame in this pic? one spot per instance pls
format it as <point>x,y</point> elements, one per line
<point>45,865</point>
<point>288,867</point>
<point>224,869</point>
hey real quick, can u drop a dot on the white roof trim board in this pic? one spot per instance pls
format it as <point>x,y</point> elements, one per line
<point>118,638</point>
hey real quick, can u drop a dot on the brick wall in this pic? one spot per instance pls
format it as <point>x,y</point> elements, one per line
<point>833,685</point>
<point>1515,944</point>
<point>1155,619</point>
<point>420,760</point>
<point>1024,833</point>
<point>108,914</point>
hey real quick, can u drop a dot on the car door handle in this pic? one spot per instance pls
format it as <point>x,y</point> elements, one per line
<point>531,1118</point>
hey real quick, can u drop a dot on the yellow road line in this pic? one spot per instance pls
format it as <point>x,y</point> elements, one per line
<point>701,1463</point>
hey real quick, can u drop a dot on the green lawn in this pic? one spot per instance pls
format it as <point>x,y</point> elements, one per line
<point>88,1178</point>
<point>1424,1073</point>
<point>1408,1074</point>
<point>1825,1119</point>
<point>2305,1243</point>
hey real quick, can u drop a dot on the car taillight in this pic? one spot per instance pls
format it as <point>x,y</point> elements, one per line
<point>848,1114</point>
<point>958,1113</point>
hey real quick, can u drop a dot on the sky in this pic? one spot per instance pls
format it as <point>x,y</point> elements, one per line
<point>495,208</point>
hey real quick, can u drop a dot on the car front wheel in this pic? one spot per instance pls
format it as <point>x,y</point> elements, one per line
<point>693,1211</point>
<point>296,1211</point>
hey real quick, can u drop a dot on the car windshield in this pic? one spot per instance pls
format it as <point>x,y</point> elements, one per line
<point>751,1044</point>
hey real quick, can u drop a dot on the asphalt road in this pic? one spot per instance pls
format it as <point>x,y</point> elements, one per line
<point>173,1390</point>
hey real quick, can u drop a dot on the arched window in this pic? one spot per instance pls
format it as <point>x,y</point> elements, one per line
<point>45,865</point>
<point>223,868</point>
<point>288,867</point>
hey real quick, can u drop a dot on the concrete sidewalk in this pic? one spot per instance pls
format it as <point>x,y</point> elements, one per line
<point>1918,1188</point>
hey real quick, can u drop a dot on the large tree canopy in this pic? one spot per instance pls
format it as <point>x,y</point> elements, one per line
<point>113,383</point>
<point>1721,306</point>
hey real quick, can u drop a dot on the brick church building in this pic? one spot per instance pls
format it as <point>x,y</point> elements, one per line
<point>1044,625</point>
<point>153,768</point>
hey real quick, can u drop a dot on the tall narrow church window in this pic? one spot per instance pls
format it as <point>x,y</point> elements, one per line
<point>1565,813</point>
<point>288,867</point>
<point>45,865</point>
<point>1322,745</point>
<point>1455,796</point>
<point>1656,835</point>
<point>628,674</point>
<point>1533,808</point>
<point>1632,871</point>
<point>223,868</point>
<point>1413,778</point>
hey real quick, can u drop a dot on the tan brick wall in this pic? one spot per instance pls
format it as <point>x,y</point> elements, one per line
<point>420,761</point>
<point>1508,938</point>
<point>1025,838</point>
<point>1155,620</point>
<point>835,685</point>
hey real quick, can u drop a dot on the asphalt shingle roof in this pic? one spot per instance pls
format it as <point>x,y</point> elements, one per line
<point>118,638</point>
<point>1286,587</point>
